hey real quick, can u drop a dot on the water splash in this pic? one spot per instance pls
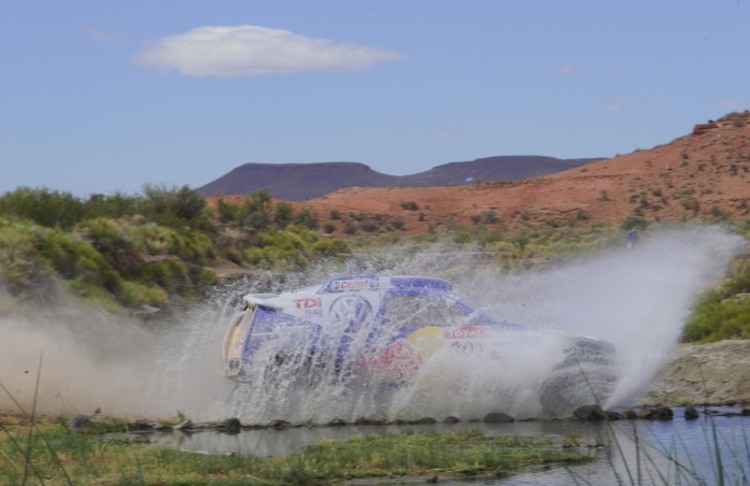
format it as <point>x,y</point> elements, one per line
<point>638,299</point>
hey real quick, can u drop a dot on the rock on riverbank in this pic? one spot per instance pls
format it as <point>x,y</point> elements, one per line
<point>703,373</point>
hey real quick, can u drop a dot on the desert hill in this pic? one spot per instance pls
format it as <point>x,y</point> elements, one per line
<point>704,174</point>
<point>299,182</point>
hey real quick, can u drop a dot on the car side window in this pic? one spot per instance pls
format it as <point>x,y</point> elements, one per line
<point>417,309</point>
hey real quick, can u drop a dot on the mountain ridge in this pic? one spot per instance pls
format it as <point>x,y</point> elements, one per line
<point>303,181</point>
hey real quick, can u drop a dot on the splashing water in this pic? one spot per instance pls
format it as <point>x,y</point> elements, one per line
<point>637,299</point>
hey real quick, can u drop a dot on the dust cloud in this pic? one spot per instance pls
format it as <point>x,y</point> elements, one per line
<point>76,359</point>
<point>73,359</point>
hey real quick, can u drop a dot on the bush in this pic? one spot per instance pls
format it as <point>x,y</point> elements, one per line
<point>305,218</point>
<point>283,214</point>
<point>328,247</point>
<point>634,223</point>
<point>139,295</point>
<point>172,205</point>
<point>369,224</point>
<point>489,217</point>
<point>257,211</point>
<point>226,212</point>
<point>714,319</point>
<point>410,206</point>
<point>45,207</point>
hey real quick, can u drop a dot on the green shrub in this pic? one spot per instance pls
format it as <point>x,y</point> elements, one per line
<point>45,207</point>
<point>329,247</point>
<point>227,212</point>
<point>257,210</point>
<point>634,223</point>
<point>167,204</point>
<point>714,319</point>
<point>283,214</point>
<point>369,224</point>
<point>489,217</point>
<point>138,295</point>
<point>305,218</point>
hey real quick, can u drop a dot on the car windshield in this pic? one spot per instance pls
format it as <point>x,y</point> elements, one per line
<point>421,309</point>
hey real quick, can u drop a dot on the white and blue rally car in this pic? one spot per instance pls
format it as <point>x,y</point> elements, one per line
<point>381,330</point>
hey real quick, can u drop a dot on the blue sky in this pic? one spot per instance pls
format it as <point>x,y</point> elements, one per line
<point>103,95</point>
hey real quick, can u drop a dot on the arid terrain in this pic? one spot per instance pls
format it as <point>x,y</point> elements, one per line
<point>704,173</point>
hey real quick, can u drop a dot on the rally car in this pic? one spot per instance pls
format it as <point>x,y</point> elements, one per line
<point>383,330</point>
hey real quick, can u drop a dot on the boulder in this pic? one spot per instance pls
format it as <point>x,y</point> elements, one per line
<point>663,413</point>
<point>646,413</point>
<point>451,420</point>
<point>231,425</point>
<point>498,418</point>
<point>425,421</point>
<point>80,422</point>
<point>629,414</point>
<point>612,416</point>
<point>691,413</point>
<point>278,424</point>
<point>590,413</point>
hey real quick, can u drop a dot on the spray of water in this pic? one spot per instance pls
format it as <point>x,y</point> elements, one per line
<point>637,299</point>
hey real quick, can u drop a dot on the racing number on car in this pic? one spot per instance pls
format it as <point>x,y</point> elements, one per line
<point>467,347</point>
<point>350,312</point>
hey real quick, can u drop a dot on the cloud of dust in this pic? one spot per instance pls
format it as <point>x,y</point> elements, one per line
<point>78,359</point>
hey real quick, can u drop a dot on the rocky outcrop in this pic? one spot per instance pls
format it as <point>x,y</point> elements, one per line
<point>704,127</point>
<point>703,373</point>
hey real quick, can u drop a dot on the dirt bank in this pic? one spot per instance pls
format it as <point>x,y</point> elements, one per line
<point>699,373</point>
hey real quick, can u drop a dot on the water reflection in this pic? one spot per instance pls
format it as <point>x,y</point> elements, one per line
<point>707,451</point>
<point>670,452</point>
<point>272,442</point>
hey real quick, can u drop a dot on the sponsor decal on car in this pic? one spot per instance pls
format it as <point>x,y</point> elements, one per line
<point>348,285</point>
<point>308,302</point>
<point>350,311</point>
<point>465,332</point>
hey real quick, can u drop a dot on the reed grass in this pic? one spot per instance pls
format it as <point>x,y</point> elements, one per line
<point>643,459</point>
<point>94,459</point>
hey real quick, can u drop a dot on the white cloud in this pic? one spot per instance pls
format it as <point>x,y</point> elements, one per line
<point>103,35</point>
<point>566,69</point>
<point>250,50</point>
<point>613,106</point>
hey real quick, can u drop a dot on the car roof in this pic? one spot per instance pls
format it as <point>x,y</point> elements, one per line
<point>353,283</point>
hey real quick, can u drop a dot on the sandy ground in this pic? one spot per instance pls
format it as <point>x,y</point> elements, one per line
<point>702,174</point>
